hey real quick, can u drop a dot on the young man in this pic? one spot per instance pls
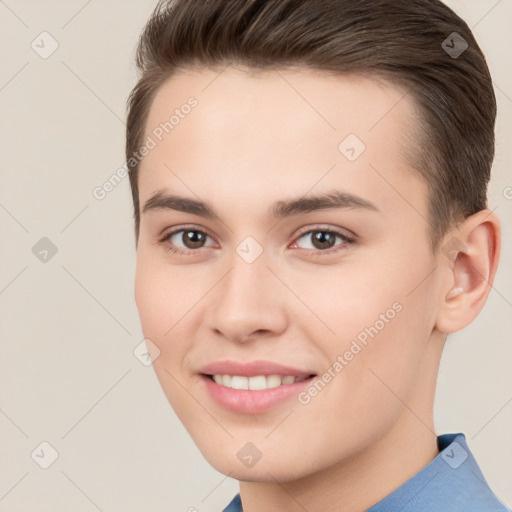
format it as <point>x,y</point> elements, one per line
<point>309,181</point>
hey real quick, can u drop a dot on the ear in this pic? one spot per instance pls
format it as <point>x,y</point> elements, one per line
<point>468,259</point>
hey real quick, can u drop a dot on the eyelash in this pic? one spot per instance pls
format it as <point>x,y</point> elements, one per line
<point>346,240</point>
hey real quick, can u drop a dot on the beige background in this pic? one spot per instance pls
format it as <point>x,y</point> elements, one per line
<point>69,326</point>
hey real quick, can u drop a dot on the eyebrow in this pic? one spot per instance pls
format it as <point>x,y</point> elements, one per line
<point>161,200</point>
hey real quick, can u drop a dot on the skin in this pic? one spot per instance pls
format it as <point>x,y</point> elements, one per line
<point>258,138</point>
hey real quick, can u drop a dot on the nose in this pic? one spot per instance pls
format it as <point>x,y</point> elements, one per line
<point>249,302</point>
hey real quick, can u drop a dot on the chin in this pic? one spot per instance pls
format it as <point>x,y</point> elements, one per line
<point>276,467</point>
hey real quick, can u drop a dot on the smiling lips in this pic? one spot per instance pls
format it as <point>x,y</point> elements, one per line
<point>252,387</point>
<point>257,382</point>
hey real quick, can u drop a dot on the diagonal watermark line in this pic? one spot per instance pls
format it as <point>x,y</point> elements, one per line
<point>14,218</point>
<point>13,13</point>
<point>88,497</point>
<point>3,412</point>
<point>491,211</point>
<point>13,279</point>
<point>389,110</point>
<point>304,98</point>
<point>217,486</point>
<point>403,403</point>
<point>214,78</point>
<point>14,76</point>
<point>486,14</point>
<point>74,218</point>
<point>193,306</point>
<point>76,14</point>
<point>71,71</point>
<point>373,167</point>
<point>96,300</point>
<point>501,409</point>
<point>499,293</point>
<point>280,423</point>
<point>291,496</point>
<point>301,300</point>
<point>101,398</point>
<point>14,485</point>
<point>422,281</point>
<point>199,403</point>
<point>502,91</point>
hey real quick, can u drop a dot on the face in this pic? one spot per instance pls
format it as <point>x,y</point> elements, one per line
<point>293,260</point>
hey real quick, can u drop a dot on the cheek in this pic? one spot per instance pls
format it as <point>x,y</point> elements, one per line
<point>169,300</point>
<point>160,291</point>
<point>161,299</point>
<point>344,301</point>
<point>149,295</point>
<point>380,325</point>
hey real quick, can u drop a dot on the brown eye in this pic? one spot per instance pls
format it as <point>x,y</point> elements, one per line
<point>193,239</point>
<point>186,239</point>
<point>323,240</point>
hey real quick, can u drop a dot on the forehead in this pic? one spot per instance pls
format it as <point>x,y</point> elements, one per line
<point>279,129</point>
<point>282,97</point>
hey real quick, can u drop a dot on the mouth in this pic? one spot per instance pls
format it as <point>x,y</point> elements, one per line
<point>256,382</point>
<point>252,387</point>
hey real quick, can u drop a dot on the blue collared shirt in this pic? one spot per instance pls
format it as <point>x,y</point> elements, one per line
<point>452,482</point>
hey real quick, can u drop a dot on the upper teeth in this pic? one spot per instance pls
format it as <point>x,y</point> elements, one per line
<point>255,383</point>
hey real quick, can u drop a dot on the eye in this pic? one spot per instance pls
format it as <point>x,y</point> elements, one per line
<point>317,241</point>
<point>324,240</point>
<point>185,240</point>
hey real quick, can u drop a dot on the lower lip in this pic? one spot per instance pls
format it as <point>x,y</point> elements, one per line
<point>249,401</point>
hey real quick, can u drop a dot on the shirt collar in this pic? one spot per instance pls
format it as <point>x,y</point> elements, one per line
<point>451,482</point>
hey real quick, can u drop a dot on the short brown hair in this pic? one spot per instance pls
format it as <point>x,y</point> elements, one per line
<point>407,42</point>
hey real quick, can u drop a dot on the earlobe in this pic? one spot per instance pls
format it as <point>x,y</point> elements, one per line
<point>470,259</point>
